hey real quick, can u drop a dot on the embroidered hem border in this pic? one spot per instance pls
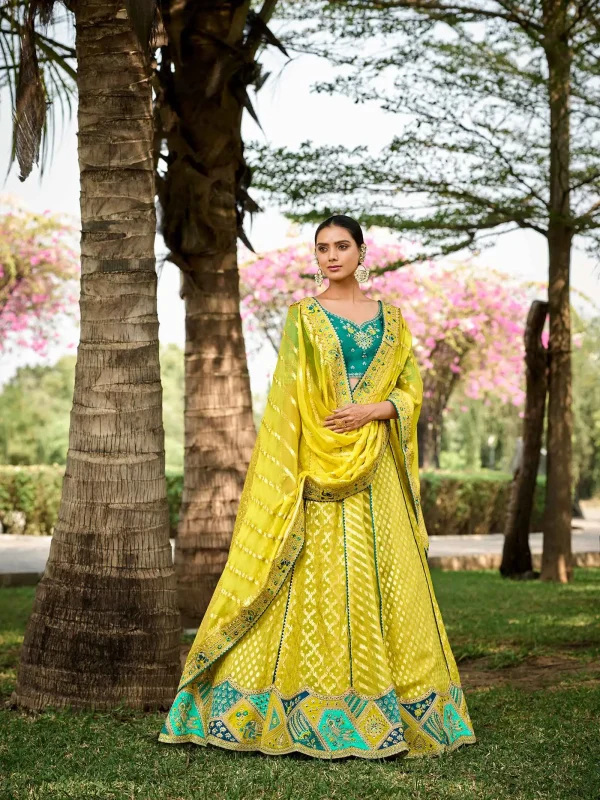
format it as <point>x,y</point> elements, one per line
<point>322,726</point>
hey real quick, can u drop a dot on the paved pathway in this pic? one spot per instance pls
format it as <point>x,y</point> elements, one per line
<point>581,542</point>
<point>24,555</point>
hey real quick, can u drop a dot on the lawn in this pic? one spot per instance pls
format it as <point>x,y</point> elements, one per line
<point>529,656</point>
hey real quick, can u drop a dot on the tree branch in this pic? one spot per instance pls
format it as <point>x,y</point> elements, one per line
<point>441,10</point>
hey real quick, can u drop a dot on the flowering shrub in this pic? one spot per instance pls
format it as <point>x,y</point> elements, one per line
<point>466,324</point>
<point>39,272</point>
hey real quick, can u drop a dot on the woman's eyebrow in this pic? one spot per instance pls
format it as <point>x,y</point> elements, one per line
<point>340,241</point>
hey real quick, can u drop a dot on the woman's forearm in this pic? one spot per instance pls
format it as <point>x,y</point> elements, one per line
<point>384,410</point>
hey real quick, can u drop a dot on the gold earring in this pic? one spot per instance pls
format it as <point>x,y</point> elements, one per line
<point>319,277</point>
<point>361,273</point>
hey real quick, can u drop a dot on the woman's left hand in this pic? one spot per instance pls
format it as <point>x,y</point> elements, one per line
<point>349,417</point>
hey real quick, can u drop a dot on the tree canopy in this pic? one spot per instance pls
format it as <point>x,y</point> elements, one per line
<point>35,406</point>
<point>471,90</point>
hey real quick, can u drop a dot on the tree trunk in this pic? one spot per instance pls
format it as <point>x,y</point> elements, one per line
<point>201,120</point>
<point>105,627</point>
<point>429,434</point>
<point>557,558</point>
<point>438,385</point>
<point>516,555</point>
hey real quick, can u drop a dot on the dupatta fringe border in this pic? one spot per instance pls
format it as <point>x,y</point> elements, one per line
<point>404,410</point>
<point>219,642</point>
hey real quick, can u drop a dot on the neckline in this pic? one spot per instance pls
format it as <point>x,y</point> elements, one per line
<point>371,379</point>
<point>351,321</point>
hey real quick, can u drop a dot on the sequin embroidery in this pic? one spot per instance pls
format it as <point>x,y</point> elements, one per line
<point>359,341</point>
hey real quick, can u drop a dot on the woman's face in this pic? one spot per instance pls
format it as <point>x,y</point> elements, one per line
<point>337,252</point>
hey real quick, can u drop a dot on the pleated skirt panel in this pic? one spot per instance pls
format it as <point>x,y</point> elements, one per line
<point>350,658</point>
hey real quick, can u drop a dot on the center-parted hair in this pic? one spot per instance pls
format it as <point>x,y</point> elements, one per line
<point>350,224</point>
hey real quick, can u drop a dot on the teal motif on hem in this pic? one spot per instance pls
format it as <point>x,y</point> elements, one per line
<point>261,702</point>
<point>184,717</point>
<point>389,705</point>
<point>302,731</point>
<point>318,725</point>
<point>339,732</point>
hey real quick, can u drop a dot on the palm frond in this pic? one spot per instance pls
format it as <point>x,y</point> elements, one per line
<point>145,21</point>
<point>258,30</point>
<point>30,102</point>
<point>38,71</point>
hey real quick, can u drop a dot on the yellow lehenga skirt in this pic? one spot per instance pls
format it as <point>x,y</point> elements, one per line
<point>350,658</point>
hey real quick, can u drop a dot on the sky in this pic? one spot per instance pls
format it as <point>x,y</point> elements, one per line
<point>290,114</point>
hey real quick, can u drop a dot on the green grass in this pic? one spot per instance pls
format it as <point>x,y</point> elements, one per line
<point>508,622</point>
<point>532,744</point>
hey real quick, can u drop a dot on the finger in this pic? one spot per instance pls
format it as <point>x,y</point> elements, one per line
<point>343,408</point>
<point>343,415</point>
<point>335,418</point>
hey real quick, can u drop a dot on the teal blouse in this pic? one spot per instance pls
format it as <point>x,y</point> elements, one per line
<point>359,342</point>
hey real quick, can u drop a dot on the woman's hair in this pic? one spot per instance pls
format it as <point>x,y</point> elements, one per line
<point>351,225</point>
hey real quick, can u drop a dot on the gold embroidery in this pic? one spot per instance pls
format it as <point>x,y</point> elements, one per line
<point>327,341</point>
<point>369,388</point>
<point>404,409</point>
<point>222,639</point>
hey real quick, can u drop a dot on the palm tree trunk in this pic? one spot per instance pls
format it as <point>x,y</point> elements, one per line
<point>105,626</point>
<point>556,557</point>
<point>201,122</point>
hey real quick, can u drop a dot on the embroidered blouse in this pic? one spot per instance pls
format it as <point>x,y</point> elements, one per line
<point>359,342</point>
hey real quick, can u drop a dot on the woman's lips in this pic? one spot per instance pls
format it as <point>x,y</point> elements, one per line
<point>334,267</point>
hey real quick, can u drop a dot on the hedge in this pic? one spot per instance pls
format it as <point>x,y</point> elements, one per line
<point>462,503</point>
<point>30,496</point>
<point>454,503</point>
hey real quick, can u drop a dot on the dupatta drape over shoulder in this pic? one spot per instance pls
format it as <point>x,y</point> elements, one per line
<point>296,457</point>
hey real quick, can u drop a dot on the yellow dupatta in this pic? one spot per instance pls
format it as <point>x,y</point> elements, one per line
<point>296,457</point>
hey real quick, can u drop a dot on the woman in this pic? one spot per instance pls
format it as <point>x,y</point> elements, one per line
<point>323,635</point>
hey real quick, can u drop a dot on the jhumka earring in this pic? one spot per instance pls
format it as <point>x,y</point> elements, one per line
<point>319,277</point>
<point>361,273</point>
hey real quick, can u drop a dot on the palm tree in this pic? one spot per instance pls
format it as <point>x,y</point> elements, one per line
<point>105,625</point>
<point>206,64</point>
<point>201,91</point>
